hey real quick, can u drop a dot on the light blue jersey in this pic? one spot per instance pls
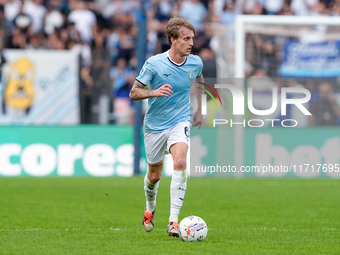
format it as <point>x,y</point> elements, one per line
<point>165,112</point>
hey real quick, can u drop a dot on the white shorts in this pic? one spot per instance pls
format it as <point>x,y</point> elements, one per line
<point>158,144</point>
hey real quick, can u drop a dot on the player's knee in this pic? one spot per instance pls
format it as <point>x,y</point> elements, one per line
<point>180,163</point>
<point>155,177</point>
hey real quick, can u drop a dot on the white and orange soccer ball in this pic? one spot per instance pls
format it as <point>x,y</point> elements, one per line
<point>193,229</point>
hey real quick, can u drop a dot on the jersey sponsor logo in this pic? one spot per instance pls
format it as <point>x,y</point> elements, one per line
<point>141,72</point>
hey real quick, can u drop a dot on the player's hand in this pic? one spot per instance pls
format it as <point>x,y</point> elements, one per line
<point>164,91</point>
<point>198,119</point>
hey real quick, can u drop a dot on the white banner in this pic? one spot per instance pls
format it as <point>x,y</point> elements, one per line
<point>40,87</point>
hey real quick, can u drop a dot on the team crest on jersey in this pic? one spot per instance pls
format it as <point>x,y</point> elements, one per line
<point>190,72</point>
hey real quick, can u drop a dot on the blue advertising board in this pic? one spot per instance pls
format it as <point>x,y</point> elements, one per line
<point>312,60</point>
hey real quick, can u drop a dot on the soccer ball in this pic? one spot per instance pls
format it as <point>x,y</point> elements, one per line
<point>193,229</point>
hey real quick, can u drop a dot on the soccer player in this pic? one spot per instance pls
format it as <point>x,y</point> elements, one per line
<point>167,120</point>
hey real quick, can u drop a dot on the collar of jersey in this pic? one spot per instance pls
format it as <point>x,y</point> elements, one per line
<point>168,57</point>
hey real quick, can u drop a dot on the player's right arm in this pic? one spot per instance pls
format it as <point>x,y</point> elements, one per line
<point>139,91</point>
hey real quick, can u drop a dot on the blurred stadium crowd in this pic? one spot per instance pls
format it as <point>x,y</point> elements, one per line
<point>104,32</point>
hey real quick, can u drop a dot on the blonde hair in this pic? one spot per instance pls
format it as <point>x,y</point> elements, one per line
<point>173,26</point>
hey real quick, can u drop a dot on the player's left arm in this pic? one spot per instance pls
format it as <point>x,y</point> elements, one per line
<point>198,117</point>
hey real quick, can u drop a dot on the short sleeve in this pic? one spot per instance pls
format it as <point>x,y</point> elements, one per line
<point>200,68</point>
<point>146,74</point>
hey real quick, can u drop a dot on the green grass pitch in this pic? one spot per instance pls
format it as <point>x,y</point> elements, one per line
<point>85,215</point>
